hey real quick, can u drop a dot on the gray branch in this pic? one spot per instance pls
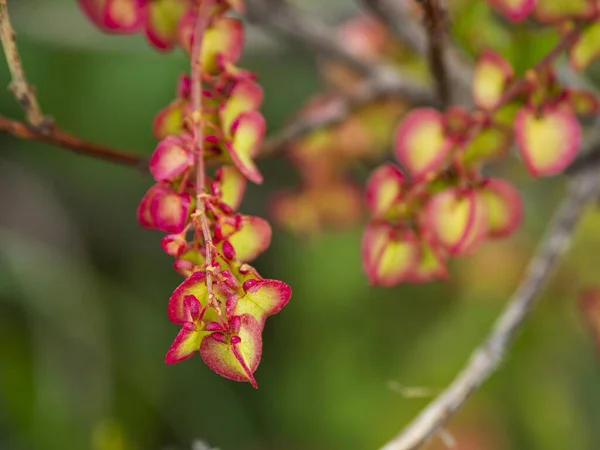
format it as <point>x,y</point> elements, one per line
<point>381,80</point>
<point>582,191</point>
<point>397,16</point>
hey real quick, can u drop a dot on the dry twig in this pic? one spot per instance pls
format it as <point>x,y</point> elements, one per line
<point>22,90</point>
<point>380,80</point>
<point>436,24</point>
<point>397,16</point>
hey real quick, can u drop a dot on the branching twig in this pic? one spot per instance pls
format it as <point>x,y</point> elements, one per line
<point>487,357</point>
<point>339,109</point>
<point>396,15</point>
<point>312,32</point>
<point>436,24</point>
<point>22,90</point>
<point>381,80</point>
<point>39,127</point>
<point>59,138</point>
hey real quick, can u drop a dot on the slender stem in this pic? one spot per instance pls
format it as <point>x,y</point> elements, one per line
<point>436,26</point>
<point>23,91</point>
<point>59,138</point>
<point>517,86</point>
<point>196,117</point>
<point>398,17</point>
<point>488,356</point>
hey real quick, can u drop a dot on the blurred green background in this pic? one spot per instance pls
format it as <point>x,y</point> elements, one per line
<point>83,289</point>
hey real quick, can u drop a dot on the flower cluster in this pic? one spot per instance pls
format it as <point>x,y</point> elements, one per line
<point>438,203</point>
<point>165,23</point>
<point>223,302</point>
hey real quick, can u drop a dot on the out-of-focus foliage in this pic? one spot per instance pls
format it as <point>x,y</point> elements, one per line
<point>83,291</point>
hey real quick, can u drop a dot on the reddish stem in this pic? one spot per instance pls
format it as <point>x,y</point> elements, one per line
<point>202,22</point>
<point>59,138</point>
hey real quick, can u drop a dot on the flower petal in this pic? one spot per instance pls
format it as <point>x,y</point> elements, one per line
<point>123,16</point>
<point>515,10</point>
<point>251,239</point>
<point>384,189</point>
<point>187,342</point>
<point>169,120</point>
<point>162,20</point>
<point>456,219</point>
<point>420,144</point>
<point>248,131</point>
<point>238,357</point>
<point>548,143</point>
<point>165,210</point>
<point>431,265</point>
<point>504,207</point>
<point>232,185</point>
<point>583,103</point>
<point>194,286</point>
<point>492,74</point>
<point>170,159</point>
<point>587,48</point>
<point>389,254</point>
<point>263,298</point>
<point>245,96</point>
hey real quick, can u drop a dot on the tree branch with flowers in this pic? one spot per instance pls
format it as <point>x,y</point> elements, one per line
<point>435,202</point>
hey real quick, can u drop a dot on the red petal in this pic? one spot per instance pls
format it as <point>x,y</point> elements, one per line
<point>389,254</point>
<point>431,265</point>
<point>123,16</point>
<point>232,185</point>
<point>94,9</point>
<point>515,10</point>
<point>587,48</point>
<point>263,299</point>
<point>504,207</point>
<point>420,144</point>
<point>583,103</point>
<point>252,238</point>
<point>548,143</point>
<point>169,120</point>
<point>187,342</point>
<point>248,131</point>
<point>195,286</point>
<point>235,361</point>
<point>162,20</point>
<point>384,189</point>
<point>492,74</point>
<point>457,220</point>
<point>170,159</point>
<point>246,96</point>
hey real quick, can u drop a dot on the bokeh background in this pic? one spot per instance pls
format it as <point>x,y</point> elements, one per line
<point>83,289</point>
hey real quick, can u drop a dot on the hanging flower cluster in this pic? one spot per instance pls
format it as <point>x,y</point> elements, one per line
<point>223,303</point>
<point>438,203</point>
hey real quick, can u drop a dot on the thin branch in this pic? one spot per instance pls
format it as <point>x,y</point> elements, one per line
<point>338,110</point>
<point>22,90</point>
<point>311,31</point>
<point>381,80</point>
<point>583,189</point>
<point>436,24</point>
<point>399,19</point>
<point>59,138</point>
